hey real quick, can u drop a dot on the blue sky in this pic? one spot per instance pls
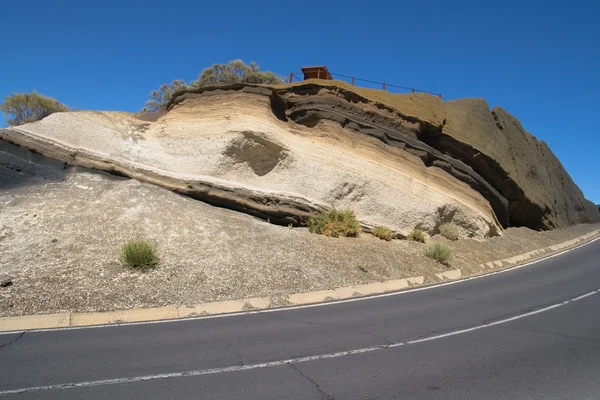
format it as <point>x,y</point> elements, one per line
<point>540,60</point>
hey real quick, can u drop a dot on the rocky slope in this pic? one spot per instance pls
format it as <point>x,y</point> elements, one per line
<point>283,153</point>
<point>61,231</point>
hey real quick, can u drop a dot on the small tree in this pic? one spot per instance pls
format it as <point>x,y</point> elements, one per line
<point>233,72</point>
<point>160,98</point>
<point>23,108</point>
<point>236,72</point>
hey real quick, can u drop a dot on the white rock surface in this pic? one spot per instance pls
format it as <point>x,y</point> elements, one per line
<point>235,141</point>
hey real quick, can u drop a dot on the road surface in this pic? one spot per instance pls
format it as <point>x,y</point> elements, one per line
<point>529,333</point>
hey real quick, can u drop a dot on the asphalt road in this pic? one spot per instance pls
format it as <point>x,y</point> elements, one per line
<point>529,333</point>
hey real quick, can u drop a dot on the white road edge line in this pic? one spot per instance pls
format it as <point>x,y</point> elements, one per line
<point>237,368</point>
<point>288,308</point>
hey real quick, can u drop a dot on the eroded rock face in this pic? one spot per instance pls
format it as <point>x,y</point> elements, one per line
<point>550,198</point>
<point>20,167</point>
<point>310,104</point>
<point>236,148</point>
<point>489,150</point>
<point>284,153</point>
<point>258,153</point>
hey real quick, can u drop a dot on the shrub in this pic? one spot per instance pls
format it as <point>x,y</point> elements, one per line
<point>235,72</point>
<point>23,108</point>
<point>383,232</point>
<point>335,224</point>
<point>138,254</point>
<point>416,235</point>
<point>161,97</point>
<point>449,230</point>
<point>439,252</point>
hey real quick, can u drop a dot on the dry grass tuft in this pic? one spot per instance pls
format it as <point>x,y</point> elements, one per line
<point>449,230</point>
<point>439,252</point>
<point>335,223</point>
<point>383,232</point>
<point>139,254</point>
<point>416,235</point>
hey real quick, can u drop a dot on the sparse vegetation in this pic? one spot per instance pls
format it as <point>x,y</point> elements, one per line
<point>139,254</point>
<point>23,108</point>
<point>383,232</point>
<point>449,230</point>
<point>160,98</point>
<point>416,235</point>
<point>235,71</point>
<point>439,252</point>
<point>335,223</point>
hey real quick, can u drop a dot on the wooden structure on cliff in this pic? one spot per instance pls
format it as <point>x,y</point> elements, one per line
<point>318,72</point>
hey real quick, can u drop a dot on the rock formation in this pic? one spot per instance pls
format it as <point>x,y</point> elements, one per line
<point>283,153</point>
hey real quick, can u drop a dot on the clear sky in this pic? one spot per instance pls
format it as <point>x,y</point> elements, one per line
<point>540,60</point>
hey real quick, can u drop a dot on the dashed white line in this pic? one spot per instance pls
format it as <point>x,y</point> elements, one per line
<point>237,368</point>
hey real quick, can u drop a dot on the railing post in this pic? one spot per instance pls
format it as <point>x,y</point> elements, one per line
<point>291,77</point>
<point>383,85</point>
<point>352,81</point>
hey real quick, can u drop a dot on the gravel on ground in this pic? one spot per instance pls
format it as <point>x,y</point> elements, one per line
<point>60,244</point>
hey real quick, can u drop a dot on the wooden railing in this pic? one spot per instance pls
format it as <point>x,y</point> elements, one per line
<point>298,77</point>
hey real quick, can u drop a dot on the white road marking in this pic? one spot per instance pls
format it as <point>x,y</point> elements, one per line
<point>237,368</point>
<point>288,308</point>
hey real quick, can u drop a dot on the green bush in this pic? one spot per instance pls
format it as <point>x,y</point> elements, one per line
<point>139,254</point>
<point>236,71</point>
<point>383,232</point>
<point>335,224</point>
<point>23,108</point>
<point>416,235</point>
<point>160,98</point>
<point>449,230</point>
<point>439,252</point>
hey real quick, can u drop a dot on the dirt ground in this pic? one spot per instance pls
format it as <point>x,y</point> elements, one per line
<point>60,243</point>
<point>469,254</point>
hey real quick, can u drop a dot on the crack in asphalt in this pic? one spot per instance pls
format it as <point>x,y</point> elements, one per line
<point>463,299</point>
<point>315,384</point>
<point>228,349</point>
<point>478,301</point>
<point>13,341</point>
<point>537,283</point>
<point>299,321</point>
<point>554,334</point>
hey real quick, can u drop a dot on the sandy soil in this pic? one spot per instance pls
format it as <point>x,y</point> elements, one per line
<point>60,242</point>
